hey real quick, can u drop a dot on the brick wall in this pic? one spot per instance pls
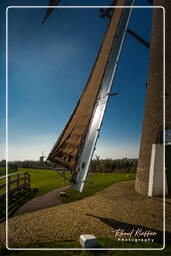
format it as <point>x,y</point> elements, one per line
<point>153,113</point>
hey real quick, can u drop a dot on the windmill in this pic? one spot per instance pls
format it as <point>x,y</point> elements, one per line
<point>75,147</point>
<point>42,158</point>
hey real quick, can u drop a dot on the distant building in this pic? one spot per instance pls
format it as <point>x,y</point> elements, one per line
<point>41,159</point>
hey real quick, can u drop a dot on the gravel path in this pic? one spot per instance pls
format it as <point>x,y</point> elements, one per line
<point>118,206</point>
<point>45,201</point>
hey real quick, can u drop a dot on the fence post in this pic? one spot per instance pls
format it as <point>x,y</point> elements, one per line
<point>24,178</point>
<point>9,183</point>
<point>18,181</point>
<point>28,180</point>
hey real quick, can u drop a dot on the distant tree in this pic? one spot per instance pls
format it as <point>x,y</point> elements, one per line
<point>110,165</point>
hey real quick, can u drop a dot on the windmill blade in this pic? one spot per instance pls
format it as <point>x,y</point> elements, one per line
<point>50,10</point>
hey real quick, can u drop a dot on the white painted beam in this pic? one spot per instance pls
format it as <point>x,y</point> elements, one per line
<point>156,173</point>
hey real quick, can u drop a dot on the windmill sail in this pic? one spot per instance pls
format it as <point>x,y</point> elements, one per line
<point>50,10</point>
<point>68,150</point>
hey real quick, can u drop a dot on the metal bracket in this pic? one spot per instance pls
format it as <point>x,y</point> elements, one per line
<point>112,94</point>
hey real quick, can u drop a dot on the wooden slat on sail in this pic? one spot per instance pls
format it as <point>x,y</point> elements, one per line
<point>67,149</point>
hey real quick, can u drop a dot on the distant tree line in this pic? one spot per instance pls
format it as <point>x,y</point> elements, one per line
<point>109,165</point>
<point>97,165</point>
<point>26,164</point>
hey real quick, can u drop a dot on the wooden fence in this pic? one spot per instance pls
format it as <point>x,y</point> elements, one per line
<point>21,181</point>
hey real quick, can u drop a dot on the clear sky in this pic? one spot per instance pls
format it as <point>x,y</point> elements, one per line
<point>49,65</point>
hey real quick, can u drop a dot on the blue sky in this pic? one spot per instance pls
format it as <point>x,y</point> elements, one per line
<point>49,65</point>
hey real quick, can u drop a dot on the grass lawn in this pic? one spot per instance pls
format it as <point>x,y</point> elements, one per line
<point>95,183</point>
<point>3,171</point>
<point>102,243</point>
<point>45,180</point>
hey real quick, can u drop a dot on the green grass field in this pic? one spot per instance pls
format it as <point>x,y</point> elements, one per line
<point>102,243</point>
<point>95,183</point>
<point>45,180</point>
<point>3,171</point>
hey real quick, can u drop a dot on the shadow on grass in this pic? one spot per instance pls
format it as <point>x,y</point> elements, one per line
<point>15,201</point>
<point>115,225</point>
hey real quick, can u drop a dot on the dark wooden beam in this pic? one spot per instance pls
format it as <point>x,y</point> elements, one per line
<point>137,37</point>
